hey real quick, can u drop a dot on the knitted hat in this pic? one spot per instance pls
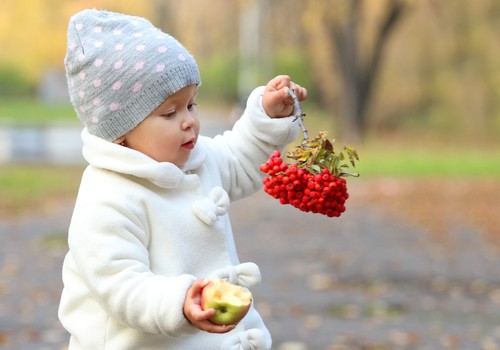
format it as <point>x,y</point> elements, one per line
<point>120,68</point>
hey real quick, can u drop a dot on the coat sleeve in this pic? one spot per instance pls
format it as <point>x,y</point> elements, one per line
<point>239,152</point>
<point>121,280</point>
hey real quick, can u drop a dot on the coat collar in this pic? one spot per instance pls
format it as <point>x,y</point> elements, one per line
<point>108,155</point>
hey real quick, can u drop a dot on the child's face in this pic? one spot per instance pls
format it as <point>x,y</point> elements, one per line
<point>170,132</point>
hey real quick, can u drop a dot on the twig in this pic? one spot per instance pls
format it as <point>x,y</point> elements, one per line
<point>299,115</point>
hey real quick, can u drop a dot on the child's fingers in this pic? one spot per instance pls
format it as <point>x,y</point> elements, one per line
<point>214,328</point>
<point>277,101</point>
<point>280,82</point>
<point>299,91</point>
<point>201,321</point>
<point>200,315</point>
<point>197,287</point>
<point>285,96</point>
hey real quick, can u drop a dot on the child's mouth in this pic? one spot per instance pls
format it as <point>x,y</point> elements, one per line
<point>188,145</point>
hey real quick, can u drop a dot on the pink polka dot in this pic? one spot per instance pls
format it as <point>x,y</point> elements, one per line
<point>117,85</point>
<point>140,47</point>
<point>79,26</point>
<point>96,102</point>
<point>82,109</point>
<point>117,32</point>
<point>162,49</point>
<point>114,106</point>
<point>160,67</point>
<point>98,44</point>
<point>81,94</point>
<point>98,62</point>
<point>81,57</point>
<point>181,57</point>
<point>139,65</point>
<point>95,120</point>
<point>72,46</point>
<point>98,30</point>
<point>138,35</point>
<point>137,87</point>
<point>118,46</point>
<point>118,64</point>
<point>97,82</point>
<point>82,75</point>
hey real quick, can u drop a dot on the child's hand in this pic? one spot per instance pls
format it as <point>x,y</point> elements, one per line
<point>276,101</point>
<point>196,315</point>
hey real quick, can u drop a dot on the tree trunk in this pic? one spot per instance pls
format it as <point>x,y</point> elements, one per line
<point>359,74</point>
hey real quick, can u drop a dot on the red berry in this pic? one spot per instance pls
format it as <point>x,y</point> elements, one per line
<point>322,193</point>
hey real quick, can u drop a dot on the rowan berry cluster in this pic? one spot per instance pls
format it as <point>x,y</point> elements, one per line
<point>322,193</point>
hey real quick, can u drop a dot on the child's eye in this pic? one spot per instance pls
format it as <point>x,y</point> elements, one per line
<point>169,114</point>
<point>191,106</point>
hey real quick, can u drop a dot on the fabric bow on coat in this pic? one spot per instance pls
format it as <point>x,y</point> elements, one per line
<point>207,209</point>
<point>252,339</point>
<point>246,274</point>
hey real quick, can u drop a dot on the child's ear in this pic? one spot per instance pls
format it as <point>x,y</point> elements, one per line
<point>120,140</point>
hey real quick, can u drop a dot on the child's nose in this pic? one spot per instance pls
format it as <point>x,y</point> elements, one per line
<point>188,121</point>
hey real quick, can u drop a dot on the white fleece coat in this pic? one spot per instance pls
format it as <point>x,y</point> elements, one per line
<point>143,231</point>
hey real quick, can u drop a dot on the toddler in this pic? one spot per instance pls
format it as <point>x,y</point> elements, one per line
<point>150,224</point>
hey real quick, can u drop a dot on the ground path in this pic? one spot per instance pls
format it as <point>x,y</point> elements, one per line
<point>362,281</point>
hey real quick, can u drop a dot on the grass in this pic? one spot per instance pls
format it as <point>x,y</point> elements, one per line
<point>429,163</point>
<point>26,188</point>
<point>401,162</point>
<point>29,188</point>
<point>406,154</point>
<point>29,111</point>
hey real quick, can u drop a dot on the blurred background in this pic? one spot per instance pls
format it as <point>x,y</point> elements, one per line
<point>413,85</point>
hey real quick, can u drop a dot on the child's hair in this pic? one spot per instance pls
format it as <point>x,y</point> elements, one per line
<point>120,68</point>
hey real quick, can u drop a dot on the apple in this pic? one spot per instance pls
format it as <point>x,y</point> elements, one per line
<point>231,302</point>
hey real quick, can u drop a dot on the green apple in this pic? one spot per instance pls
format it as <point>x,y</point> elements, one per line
<point>231,302</point>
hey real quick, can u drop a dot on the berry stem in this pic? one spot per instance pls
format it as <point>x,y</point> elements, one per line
<point>299,114</point>
<point>318,153</point>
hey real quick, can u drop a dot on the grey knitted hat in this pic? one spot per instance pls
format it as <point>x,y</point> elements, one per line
<point>120,68</point>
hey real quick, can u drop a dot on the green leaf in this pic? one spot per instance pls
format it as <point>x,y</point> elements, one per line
<point>316,169</point>
<point>318,153</point>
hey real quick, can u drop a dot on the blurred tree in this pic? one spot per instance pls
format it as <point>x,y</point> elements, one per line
<point>33,32</point>
<point>356,33</point>
<point>162,14</point>
<point>441,71</point>
<point>471,60</point>
<point>436,69</point>
<point>255,49</point>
